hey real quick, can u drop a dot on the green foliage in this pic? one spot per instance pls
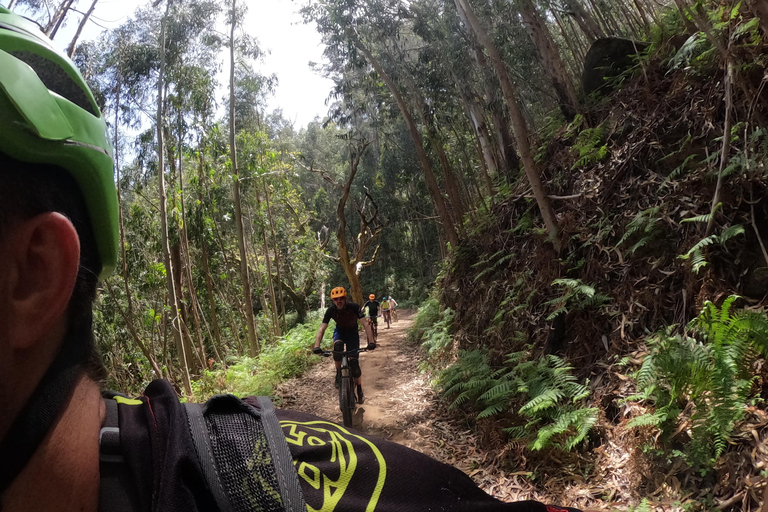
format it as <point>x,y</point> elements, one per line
<point>433,328</point>
<point>494,262</point>
<point>438,339</point>
<point>643,230</point>
<point>514,302</point>
<point>576,295</point>
<point>542,394</point>
<point>286,358</point>
<point>702,379</point>
<point>696,253</point>
<point>427,315</point>
<point>589,147</point>
<point>696,50</point>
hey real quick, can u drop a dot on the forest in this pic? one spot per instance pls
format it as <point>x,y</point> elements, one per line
<point>571,193</point>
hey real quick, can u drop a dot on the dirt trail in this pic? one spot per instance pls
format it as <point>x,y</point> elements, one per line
<point>397,396</point>
<point>400,406</point>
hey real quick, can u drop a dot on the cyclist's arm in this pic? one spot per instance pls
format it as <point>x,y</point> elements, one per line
<point>320,334</point>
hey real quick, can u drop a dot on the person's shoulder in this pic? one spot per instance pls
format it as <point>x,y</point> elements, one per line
<point>353,305</point>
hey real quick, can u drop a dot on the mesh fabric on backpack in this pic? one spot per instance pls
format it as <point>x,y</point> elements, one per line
<point>245,464</point>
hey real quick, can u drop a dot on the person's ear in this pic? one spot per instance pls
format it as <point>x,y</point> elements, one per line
<point>44,259</point>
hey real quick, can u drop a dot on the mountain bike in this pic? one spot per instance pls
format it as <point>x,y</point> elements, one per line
<point>387,317</point>
<point>347,401</point>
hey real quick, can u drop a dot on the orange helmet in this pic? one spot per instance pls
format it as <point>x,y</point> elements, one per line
<point>337,292</point>
<point>372,296</point>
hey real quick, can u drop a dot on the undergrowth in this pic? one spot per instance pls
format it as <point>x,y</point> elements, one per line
<point>432,327</point>
<point>700,381</point>
<point>286,358</point>
<point>542,397</point>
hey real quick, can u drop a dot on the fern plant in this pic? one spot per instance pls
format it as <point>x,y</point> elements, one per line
<point>589,147</point>
<point>545,396</point>
<point>438,338</point>
<point>644,229</point>
<point>433,328</point>
<point>703,377</point>
<point>576,295</point>
<point>492,263</point>
<point>696,253</point>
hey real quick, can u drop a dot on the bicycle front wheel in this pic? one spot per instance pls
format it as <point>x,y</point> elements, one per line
<point>347,400</point>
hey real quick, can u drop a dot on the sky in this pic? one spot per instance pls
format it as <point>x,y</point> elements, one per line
<point>301,93</point>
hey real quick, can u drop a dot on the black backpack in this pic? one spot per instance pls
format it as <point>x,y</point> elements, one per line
<point>245,459</point>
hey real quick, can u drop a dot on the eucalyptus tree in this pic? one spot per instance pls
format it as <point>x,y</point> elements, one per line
<point>173,298</point>
<point>349,30</point>
<point>549,56</point>
<point>80,27</point>
<point>118,67</point>
<point>518,122</point>
<point>235,17</point>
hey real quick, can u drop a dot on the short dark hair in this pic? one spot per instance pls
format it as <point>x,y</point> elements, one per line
<point>27,190</point>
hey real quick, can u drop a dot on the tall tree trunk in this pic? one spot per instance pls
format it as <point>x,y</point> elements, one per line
<point>254,344</point>
<point>58,18</point>
<point>574,49</point>
<point>352,266</point>
<point>506,156</point>
<point>194,359</point>
<point>481,134</point>
<point>433,135</point>
<point>519,125</point>
<point>586,22</point>
<point>549,57</point>
<point>644,16</point>
<point>80,27</point>
<point>211,298</point>
<point>216,342</point>
<point>187,261</point>
<point>274,314</point>
<point>277,256</point>
<point>171,288</point>
<point>426,165</point>
<point>128,317</point>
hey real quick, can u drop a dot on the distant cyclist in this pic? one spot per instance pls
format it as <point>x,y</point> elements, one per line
<point>385,310</point>
<point>393,308</point>
<point>371,308</point>
<point>346,315</point>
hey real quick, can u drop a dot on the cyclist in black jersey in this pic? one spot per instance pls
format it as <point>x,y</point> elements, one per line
<point>346,315</point>
<point>372,308</point>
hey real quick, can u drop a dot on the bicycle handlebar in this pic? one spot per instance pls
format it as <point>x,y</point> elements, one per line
<point>329,353</point>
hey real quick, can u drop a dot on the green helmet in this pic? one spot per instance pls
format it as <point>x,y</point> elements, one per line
<point>48,116</point>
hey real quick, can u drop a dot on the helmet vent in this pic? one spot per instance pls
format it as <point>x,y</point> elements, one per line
<point>56,79</point>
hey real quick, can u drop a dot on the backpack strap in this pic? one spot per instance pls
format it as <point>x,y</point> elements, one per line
<point>117,492</point>
<point>245,456</point>
<point>290,488</point>
<point>202,440</point>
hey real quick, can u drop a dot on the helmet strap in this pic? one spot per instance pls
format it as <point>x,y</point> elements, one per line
<point>40,412</point>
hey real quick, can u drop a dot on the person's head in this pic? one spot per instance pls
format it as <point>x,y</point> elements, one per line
<point>339,296</point>
<point>58,224</point>
<point>372,297</point>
